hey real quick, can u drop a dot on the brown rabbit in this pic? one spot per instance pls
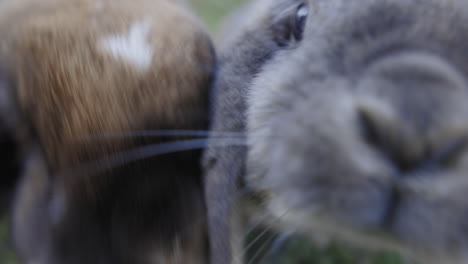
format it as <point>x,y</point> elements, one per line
<point>355,115</point>
<point>80,83</point>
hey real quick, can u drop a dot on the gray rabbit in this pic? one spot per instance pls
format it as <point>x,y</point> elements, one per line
<point>352,118</point>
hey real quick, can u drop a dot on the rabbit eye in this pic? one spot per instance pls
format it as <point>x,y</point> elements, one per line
<point>300,20</point>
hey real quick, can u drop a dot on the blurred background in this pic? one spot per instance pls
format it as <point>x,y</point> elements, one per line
<point>295,249</point>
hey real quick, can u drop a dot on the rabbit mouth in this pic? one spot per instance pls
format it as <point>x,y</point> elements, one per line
<point>372,203</point>
<point>345,183</point>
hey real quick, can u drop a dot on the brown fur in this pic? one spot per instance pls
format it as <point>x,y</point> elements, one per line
<point>71,95</point>
<point>55,58</point>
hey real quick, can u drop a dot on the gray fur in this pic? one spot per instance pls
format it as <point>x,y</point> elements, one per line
<point>360,127</point>
<point>223,166</point>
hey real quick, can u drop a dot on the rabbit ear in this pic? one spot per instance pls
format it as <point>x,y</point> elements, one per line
<point>9,165</point>
<point>8,110</point>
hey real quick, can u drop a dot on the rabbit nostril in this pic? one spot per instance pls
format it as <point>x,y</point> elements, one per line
<point>403,104</point>
<point>446,156</point>
<point>368,129</point>
<point>377,135</point>
<point>384,134</point>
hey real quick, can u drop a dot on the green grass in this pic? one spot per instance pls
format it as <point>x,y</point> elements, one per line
<point>6,254</point>
<point>213,11</point>
<point>297,249</point>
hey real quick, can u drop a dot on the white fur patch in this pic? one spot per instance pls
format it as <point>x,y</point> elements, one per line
<point>132,47</point>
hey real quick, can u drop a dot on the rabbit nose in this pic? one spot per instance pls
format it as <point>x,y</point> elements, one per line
<point>408,150</point>
<point>411,109</point>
